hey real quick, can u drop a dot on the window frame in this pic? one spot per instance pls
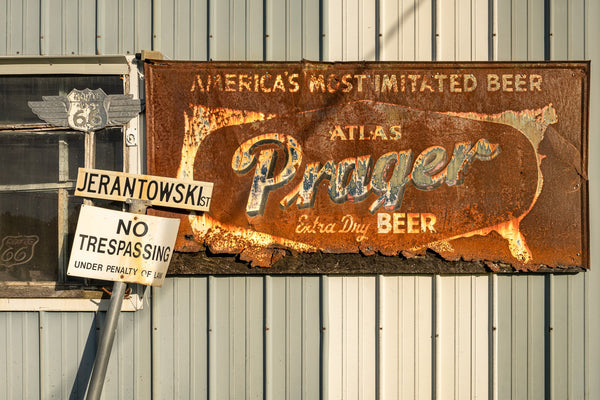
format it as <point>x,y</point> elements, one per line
<point>54,295</point>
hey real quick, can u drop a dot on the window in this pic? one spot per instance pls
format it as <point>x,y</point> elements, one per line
<point>39,163</point>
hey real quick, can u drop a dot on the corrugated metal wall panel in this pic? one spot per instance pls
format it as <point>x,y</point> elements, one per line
<point>236,319</point>
<point>180,367</point>
<point>68,344</point>
<point>5,31</point>
<point>278,29</point>
<point>551,309</point>
<point>74,27</point>
<point>292,337</point>
<point>64,338</point>
<point>121,26</point>
<point>462,30</point>
<point>292,30</point>
<point>128,370</point>
<point>406,337</point>
<point>522,332</point>
<point>463,333</point>
<point>312,347</point>
<point>252,30</point>
<point>567,293</point>
<point>248,337</point>
<point>51,23</point>
<point>88,33</point>
<point>5,27</point>
<point>20,27</point>
<point>12,36</point>
<point>59,33</point>
<point>180,29</point>
<point>220,39</point>
<point>78,26</point>
<point>19,355</point>
<point>462,316</point>
<point>520,30</point>
<point>352,337</point>
<point>349,30</point>
<point>406,31</point>
<point>592,278</point>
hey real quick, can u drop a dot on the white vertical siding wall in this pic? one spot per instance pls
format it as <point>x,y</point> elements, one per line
<point>246,337</point>
<point>491,336</point>
<point>545,323</point>
<point>462,316</point>
<point>521,369</point>
<point>330,337</point>
<point>567,294</point>
<point>592,280</point>
<point>431,336</point>
<point>49,355</point>
<point>19,355</point>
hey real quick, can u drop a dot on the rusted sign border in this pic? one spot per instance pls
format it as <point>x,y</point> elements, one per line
<point>203,262</point>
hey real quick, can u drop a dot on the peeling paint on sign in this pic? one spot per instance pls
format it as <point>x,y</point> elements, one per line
<point>465,160</point>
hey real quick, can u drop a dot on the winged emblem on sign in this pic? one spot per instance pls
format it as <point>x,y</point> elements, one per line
<point>87,110</point>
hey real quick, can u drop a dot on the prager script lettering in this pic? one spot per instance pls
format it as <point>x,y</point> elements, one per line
<point>355,178</point>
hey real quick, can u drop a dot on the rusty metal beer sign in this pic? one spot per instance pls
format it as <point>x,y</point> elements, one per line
<point>479,162</point>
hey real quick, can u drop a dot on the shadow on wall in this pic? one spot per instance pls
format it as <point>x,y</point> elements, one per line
<point>84,372</point>
<point>393,31</point>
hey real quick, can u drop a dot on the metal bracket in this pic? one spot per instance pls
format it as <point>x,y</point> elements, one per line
<point>138,206</point>
<point>131,136</point>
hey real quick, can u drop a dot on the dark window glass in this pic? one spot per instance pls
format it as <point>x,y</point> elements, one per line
<point>16,91</point>
<point>38,169</point>
<point>109,149</point>
<point>29,236</point>
<point>30,158</point>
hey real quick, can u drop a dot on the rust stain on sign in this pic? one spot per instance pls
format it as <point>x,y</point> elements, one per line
<point>476,161</point>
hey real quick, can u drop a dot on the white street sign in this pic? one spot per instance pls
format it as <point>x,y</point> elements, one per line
<point>157,190</point>
<point>119,246</point>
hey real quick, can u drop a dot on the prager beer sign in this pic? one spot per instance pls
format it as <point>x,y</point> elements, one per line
<point>482,162</point>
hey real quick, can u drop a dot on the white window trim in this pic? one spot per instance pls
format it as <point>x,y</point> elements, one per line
<point>132,303</point>
<point>132,161</point>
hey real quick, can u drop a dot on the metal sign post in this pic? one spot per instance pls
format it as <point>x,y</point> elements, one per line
<point>124,247</point>
<point>106,342</point>
<point>88,111</point>
<point>112,319</point>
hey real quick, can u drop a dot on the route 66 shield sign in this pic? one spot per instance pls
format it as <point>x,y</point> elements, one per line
<point>86,111</point>
<point>16,250</point>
